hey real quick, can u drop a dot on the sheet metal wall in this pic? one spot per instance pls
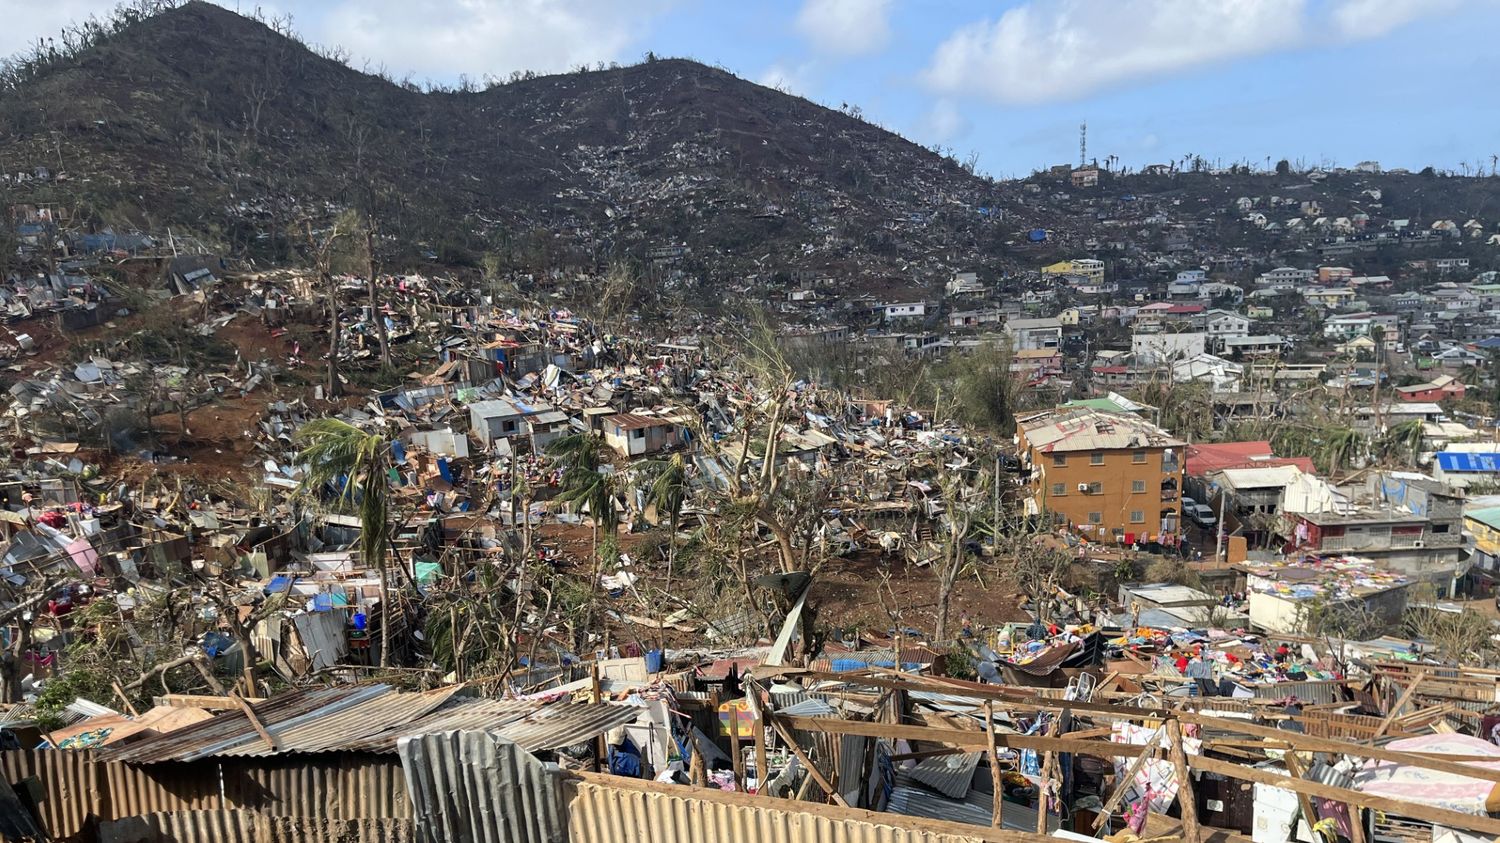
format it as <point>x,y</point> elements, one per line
<point>249,827</point>
<point>333,786</point>
<point>627,813</point>
<point>480,788</point>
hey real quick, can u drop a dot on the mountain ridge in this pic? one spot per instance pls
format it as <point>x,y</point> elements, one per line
<point>156,128</point>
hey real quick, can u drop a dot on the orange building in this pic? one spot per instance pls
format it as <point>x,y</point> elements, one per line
<point>1114,477</point>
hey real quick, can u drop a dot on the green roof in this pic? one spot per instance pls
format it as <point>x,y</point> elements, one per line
<point>1488,516</point>
<point>1104,405</point>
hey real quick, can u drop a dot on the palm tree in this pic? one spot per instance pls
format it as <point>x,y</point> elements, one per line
<point>337,453</point>
<point>581,455</point>
<point>1404,440</point>
<point>1340,448</point>
<point>668,493</point>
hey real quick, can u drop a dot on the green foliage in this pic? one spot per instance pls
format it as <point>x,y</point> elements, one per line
<point>334,452</point>
<point>581,455</point>
<point>985,389</point>
<point>958,662</point>
<point>1173,571</point>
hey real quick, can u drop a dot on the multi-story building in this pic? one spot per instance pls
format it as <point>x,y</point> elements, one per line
<point>1114,476</point>
<point>1411,524</point>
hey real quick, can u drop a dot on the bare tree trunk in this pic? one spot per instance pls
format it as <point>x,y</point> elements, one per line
<point>380,331</point>
<point>333,332</point>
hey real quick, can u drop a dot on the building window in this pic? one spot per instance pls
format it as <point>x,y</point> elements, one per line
<point>1138,457</point>
<point>1096,458</point>
<point>1059,460</point>
<point>1137,486</point>
<point>1096,488</point>
<point>508,426</point>
<point>1059,489</point>
<point>1137,516</point>
<point>1440,528</point>
<point>1096,518</point>
<point>638,433</point>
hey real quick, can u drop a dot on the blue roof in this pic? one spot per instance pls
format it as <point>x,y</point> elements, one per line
<point>1489,342</point>
<point>1457,461</point>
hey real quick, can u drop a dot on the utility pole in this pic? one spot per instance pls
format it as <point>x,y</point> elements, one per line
<point>1219,529</point>
<point>995,539</point>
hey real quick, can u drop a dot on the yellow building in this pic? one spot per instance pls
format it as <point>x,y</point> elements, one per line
<point>1112,476</point>
<point>1088,268</point>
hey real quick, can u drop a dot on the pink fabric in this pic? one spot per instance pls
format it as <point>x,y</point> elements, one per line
<point>1431,787</point>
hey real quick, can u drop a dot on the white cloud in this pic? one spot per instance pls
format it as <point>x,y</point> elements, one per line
<point>944,122</point>
<point>1047,50</point>
<point>1361,19</point>
<point>846,27</point>
<point>793,79</point>
<point>28,20</point>
<point>442,38</point>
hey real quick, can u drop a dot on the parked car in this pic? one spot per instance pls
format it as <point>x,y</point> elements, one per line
<point>1202,515</point>
<point>1188,505</point>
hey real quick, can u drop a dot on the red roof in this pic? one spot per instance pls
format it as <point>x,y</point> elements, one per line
<point>1185,308</point>
<point>1217,456</point>
<point>1111,370</point>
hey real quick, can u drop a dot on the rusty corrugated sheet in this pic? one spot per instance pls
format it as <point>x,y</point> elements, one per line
<point>473,787</point>
<point>371,718</point>
<point>72,787</point>
<point>557,726</point>
<point>233,728</point>
<point>603,810</point>
<point>163,787</point>
<point>456,715</point>
<point>336,728</point>
<point>341,786</point>
<point>232,826</point>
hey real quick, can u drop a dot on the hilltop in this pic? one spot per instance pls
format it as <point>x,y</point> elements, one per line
<point>212,122</point>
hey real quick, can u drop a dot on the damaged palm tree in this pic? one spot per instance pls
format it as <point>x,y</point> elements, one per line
<point>355,463</point>
<point>581,456</point>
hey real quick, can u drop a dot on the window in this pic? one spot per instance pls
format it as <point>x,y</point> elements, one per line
<point>1096,518</point>
<point>508,426</point>
<point>1440,528</point>
<point>1138,457</point>
<point>1059,460</point>
<point>1059,489</point>
<point>1137,486</point>
<point>638,433</point>
<point>1096,488</point>
<point>1096,458</point>
<point>1137,516</point>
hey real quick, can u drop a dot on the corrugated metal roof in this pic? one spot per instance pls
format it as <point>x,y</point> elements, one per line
<point>1467,461</point>
<point>372,718</point>
<point>232,728</point>
<point>950,775</point>
<point>475,786</point>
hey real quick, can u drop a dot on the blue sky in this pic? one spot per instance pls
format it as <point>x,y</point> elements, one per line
<point>1404,82</point>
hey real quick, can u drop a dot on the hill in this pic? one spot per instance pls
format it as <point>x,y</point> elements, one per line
<point>214,123</point>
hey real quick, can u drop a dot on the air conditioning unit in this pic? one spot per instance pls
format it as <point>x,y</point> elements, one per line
<point>1419,543</point>
<point>1083,487</point>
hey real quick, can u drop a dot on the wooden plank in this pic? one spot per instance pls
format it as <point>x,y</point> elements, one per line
<point>812,769</point>
<point>961,738</point>
<point>997,798</point>
<point>1454,819</point>
<point>260,728</point>
<point>1390,716</point>
<point>1124,784</point>
<point>762,768</point>
<point>1294,768</point>
<point>1311,744</point>
<point>1046,783</point>
<point>1191,832</point>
